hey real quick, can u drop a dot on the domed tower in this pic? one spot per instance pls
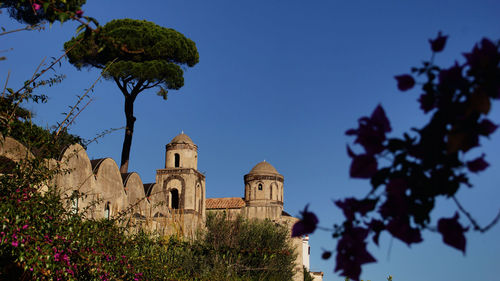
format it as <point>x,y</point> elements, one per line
<point>264,192</point>
<point>181,152</point>
<point>183,186</point>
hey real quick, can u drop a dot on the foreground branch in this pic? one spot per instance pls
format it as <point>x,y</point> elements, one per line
<point>473,221</point>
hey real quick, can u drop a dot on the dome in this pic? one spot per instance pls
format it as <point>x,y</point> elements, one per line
<point>263,168</point>
<point>182,138</point>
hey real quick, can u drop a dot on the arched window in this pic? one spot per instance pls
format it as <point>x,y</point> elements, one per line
<point>260,186</point>
<point>197,197</point>
<point>74,202</point>
<point>107,210</point>
<point>174,199</point>
<point>177,160</point>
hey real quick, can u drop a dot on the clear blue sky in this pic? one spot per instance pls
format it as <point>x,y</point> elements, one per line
<point>282,81</point>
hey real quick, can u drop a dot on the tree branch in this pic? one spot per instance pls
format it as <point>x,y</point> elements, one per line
<point>473,221</point>
<point>137,88</point>
<point>73,108</point>
<point>151,86</point>
<point>128,79</point>
<point>123,88</point>
<point>16,30</point>
<point>144,86</point>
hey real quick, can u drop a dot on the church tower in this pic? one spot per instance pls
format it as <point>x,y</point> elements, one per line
<point>182,184</point>
<point>264,192</point>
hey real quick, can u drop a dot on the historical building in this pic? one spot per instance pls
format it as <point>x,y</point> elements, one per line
<point>181,185</point>
<point>176,203</point>
<point>263,195</point>
<point>183,188</point>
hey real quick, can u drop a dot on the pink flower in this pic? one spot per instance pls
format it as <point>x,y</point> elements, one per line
<point>36,6</point>
<point>25,226</point>
<point>15,243</point>
<point>79,13</point>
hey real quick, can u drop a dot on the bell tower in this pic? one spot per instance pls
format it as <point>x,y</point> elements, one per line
<point>183,186</point>
<point>181,152</point>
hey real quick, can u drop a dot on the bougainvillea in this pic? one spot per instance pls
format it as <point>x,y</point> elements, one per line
<point>36,11</point>
<point>409,173</point>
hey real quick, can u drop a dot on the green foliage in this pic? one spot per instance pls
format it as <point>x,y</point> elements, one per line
<point>143,51</point>
<point>41,142</point>
<point>41,240</point>
<point>253,249</point>
<point>35,11</point>
<point>307,275</point>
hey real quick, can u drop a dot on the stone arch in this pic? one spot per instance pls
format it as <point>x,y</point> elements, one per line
<point>174,198</point>
<point>200,196</point>
<point>274,191</point>
<point>136,197</point>
<point>79,180</point>
<point>259,190</point>
<point>156,197</point>
<point>13,149</point>
<point>182,190</point>
<point>109,186</point>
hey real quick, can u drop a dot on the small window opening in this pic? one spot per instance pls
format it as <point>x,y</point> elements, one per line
<point>74,202</point>
<point>107,210</point>
<point>177,160</point>
<point>174,195</point>
<point>260,186</point>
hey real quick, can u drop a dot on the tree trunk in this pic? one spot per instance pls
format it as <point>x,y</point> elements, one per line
<point>129,132</point>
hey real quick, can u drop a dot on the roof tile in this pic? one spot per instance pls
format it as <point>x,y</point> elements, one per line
<point>225,203</point>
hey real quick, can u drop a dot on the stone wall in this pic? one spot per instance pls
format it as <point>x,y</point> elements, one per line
<point>97,189</point>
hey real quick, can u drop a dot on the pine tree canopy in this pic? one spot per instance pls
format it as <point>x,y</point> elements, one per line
<point>143,53</point>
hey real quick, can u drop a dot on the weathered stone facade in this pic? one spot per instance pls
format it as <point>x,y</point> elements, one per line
<point>175,204</point>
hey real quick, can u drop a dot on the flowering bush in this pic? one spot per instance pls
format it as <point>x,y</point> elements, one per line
<point>35,11</point>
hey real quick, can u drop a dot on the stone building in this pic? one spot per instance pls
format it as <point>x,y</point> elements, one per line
<point>263,191</point>
<point>180,183</point>
<point>263,195</point>
<point>176,203</point>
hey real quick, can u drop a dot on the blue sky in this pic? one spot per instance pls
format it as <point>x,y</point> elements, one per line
<point>282,81</point>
